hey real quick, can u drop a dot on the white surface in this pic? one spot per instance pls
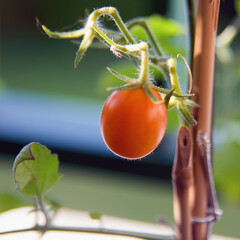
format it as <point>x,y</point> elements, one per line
<point>24,218</point>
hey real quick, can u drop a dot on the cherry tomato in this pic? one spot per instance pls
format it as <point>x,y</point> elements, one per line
<point>132,125</point>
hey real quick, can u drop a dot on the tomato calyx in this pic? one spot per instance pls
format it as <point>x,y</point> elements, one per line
<point>143,80</point>
<point>172,98</point>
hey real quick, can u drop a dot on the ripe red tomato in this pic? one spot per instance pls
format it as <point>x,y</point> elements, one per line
<point>132,125</point>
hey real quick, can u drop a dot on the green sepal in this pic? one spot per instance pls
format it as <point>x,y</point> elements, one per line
<point>166,91</point>
<point>149,93</point>
<point>168,97</point>
<point>121,76</point>
<point>124,87</point>
<point>64,35</point>
<point>85,44</point>
<point>191,103</point>
<point>185,113</point>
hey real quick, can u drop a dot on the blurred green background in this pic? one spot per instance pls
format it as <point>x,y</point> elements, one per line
<point>33,63</point>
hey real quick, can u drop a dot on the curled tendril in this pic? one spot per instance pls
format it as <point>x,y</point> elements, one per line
<point>189,73</point>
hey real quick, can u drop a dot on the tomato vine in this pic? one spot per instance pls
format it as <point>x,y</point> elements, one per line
<point>122,43</point>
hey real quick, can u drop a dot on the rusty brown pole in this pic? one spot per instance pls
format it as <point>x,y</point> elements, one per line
<point>195,204</point>
<point>203,85</point>
<point>182,180</point>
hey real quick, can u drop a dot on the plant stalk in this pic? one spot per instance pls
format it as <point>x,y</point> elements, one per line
<point>43,208</point>
<point>142,235</point>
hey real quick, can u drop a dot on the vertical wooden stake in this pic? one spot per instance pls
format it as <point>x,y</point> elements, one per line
<point>182,180</point>
<point>203,75</point>
<point>195,204</point>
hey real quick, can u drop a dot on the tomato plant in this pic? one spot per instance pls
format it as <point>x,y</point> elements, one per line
<point>134,117</point>
<point>131,124</point>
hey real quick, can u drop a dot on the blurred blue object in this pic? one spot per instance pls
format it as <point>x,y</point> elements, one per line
<point>69,124</point>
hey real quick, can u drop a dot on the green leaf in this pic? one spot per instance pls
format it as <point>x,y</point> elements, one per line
<point>10,201</point>
<point>237,6</point>
<point>95,216</point>
<point>35,169</point>
<point>227,169</point>
<point>173,120</point>
<point>165,30</point>
<point>168,27</point>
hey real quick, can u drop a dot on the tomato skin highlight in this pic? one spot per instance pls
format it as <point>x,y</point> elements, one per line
<point>132,125</point>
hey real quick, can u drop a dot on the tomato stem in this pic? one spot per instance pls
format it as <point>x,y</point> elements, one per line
<point>151,37</point>
<point>173,75</point>
<point>144,70</point>
<point>113,13</point>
